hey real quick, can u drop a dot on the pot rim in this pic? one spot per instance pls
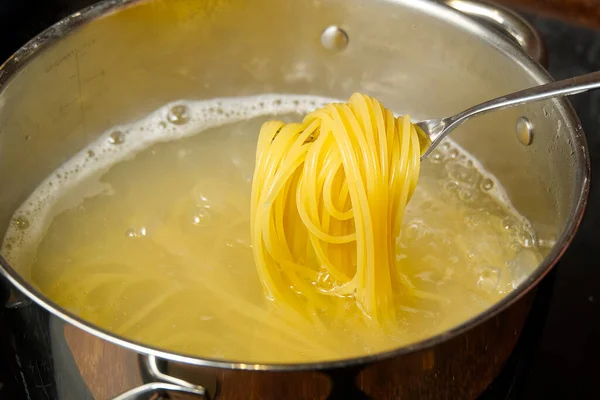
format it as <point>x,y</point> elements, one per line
<point>59,30</point>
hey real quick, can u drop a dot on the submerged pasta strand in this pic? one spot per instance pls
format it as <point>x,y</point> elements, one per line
<point>328,197</point>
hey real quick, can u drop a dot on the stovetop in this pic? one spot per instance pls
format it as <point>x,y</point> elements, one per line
<point>557,354</point>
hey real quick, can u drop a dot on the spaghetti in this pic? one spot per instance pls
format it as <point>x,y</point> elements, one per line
<point>328,197</point>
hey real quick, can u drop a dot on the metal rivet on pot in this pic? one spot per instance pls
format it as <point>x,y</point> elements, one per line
<point>334,38</point>
<point>524,131</point>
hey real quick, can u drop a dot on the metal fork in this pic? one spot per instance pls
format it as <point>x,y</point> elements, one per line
<point>433,131</point>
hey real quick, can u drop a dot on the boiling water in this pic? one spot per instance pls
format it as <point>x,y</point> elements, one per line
<point>146,233</point>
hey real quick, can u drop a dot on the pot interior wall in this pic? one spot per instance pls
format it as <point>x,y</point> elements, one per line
<point>414,56</point>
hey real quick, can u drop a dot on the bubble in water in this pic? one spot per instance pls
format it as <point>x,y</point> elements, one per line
<point>202,216</point>
<point>415,230</point>
<point>473,219</point>
<point>238,237</point>
<point>238,243</point>
<point>467,195</point>
<point>21,223</point>
<point>91,153</point>
<point>162,124</point>
<point>525,261</point>
<point>547,243</point>
<point>436,157</point>
<point>453,154</point>
<point>178,115</point>
<point>449,186</point>
<point>525,238</point>
<point>400,256</point>
<point>509,224</point>
<point>487,184</point>
<point>546,112</point>
<point>461,173</point>
<point>489,279</point>
<point>136,233</point>
<point>116,137</point>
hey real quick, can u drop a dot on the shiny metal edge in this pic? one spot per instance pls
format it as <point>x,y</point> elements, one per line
<point>15,63</point>
<point>54,33</point>
<point>506,20</point>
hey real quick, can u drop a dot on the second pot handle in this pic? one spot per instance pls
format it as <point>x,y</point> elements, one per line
<point>16,299</point>
<point>150,390</point>
<point>507,21</point>
<point>163,384</point>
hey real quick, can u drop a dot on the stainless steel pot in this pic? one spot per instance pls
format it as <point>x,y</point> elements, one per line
<point>117,61</point>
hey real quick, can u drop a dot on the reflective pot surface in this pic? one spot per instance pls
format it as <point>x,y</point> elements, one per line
<point>60,361</point>
<point>116,62</point>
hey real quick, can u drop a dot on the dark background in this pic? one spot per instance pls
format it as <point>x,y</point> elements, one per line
<point>558,355</point>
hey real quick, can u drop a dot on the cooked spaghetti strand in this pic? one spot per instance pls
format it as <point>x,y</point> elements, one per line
<point>329,194</point>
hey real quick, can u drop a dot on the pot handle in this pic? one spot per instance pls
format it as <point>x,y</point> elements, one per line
<point>506,21</point>
<point>164,384</point>
<point>14,297</point>
<point>149,390</point>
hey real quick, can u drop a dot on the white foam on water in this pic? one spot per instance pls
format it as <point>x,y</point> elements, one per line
<point>122,143</point>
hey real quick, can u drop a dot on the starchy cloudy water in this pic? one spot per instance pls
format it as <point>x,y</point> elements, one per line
<point>153,219</point>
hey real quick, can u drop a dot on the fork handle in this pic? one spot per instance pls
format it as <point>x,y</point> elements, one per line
<point>566,87</point>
